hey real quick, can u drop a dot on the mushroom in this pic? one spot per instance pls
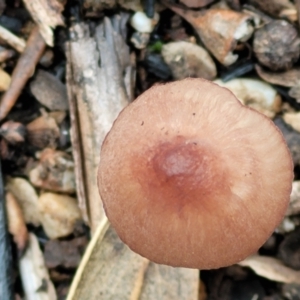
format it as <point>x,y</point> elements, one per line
<point>189,177</point>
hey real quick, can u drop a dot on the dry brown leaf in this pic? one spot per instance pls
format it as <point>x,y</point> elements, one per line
<point>219,30</point>
<point>16,222</point>
<point>47,15</point>
<point>288,78</point>
<point>271,268</point>
<point>34,274</point>
<point>43,132</point>
<point>54,172</point>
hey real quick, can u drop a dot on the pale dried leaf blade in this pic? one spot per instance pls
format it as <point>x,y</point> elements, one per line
<point>47,15</point>
<point>118,270</point>
<point>271,268</point>
<point>97,92</point>
<point>164,282</point>
<point>34,274</point>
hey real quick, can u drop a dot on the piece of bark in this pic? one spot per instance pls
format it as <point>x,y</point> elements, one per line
<point>47,15</point>
<point>6,283</point>
<point>49,91</point>
<point>54,172</point>
<point>99,80</point>
<point>23,71</point>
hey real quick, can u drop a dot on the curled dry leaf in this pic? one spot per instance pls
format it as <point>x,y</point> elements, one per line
<point>271,268</point>
<point>49,91</point>
<point>47,14</point>
<point>256,94</point>
<point>219,29</point>
<point>59,214</point>
<point>43,132</point>
<point>34,274</point>
<point>276,45</point>
<point>26,197</point>
<point>55,172</point>
<point>288,78</point>
<point>294,207</point>
<point>16,222</point>
<point>188,60</point>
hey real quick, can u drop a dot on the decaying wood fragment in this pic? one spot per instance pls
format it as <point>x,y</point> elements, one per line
<point>23,71</point>
<point>100,80</point>
<point>47,15</point>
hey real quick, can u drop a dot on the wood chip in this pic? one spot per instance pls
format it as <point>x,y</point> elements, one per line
<point>47,15</point>
<point>271,268</point>
<point>95,101</point>
<point>34,274</point>
<point>12,40</point>
<point>16,222</point>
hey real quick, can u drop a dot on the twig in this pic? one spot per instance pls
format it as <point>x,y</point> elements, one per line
<point>6,291</point>
<point>297,3</point>
<point>12,40</point>
<point>23,71</point>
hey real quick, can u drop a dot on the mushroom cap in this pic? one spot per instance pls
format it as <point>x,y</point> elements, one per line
<point>189,177</point>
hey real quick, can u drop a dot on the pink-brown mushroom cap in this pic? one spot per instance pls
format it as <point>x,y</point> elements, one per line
<point>189,177</point>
